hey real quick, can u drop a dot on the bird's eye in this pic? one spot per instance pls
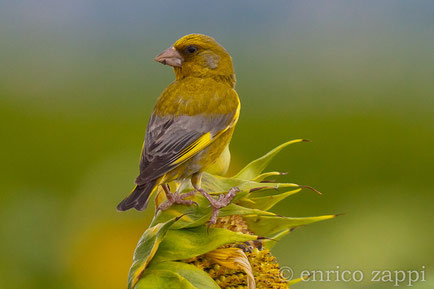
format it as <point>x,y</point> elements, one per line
<point>191,49</point>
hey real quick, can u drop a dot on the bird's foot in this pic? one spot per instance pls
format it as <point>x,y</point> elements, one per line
<point>177,198</point>
<point>222,201</point>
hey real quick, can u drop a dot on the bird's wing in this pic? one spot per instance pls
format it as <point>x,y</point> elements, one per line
<point>172,140</point>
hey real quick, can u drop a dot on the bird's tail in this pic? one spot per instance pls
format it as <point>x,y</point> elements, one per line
<point>139,197</point>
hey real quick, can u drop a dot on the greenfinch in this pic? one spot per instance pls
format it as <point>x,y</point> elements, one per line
<point>191,125</point>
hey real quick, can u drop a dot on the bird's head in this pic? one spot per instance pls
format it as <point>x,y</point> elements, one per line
<point>198,55</point>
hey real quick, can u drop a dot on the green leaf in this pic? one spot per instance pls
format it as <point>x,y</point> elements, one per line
<point>233,209</point>
<point>164,279</point>
<point>191,242</point>
<point>281,227</point>
<point>253,169</point>
<point>268,226</point>
<point>146,249</point>
<point>197,278</point>
<point>217,184</point>
<point>266,202</point>
<point>263,176</point>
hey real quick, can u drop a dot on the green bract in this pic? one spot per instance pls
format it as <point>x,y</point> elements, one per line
<point>179,237</point>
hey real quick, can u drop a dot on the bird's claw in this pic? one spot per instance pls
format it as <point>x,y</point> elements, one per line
<point>177,198</point>
<point>222,201</point>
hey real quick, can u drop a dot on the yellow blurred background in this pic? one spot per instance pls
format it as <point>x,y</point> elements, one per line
<point>78,83</point>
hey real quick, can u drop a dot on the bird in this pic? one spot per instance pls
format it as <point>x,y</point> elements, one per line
<point>191,125</point>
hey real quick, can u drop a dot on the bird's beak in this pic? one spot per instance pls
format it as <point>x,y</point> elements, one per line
<point>170,56</point>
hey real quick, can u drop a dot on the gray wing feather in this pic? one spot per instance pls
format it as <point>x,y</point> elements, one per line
<point>166,137</point>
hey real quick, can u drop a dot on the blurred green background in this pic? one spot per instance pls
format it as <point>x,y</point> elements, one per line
<point>78,83</point>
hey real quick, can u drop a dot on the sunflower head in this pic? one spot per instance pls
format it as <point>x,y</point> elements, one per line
<point>180,250</point>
